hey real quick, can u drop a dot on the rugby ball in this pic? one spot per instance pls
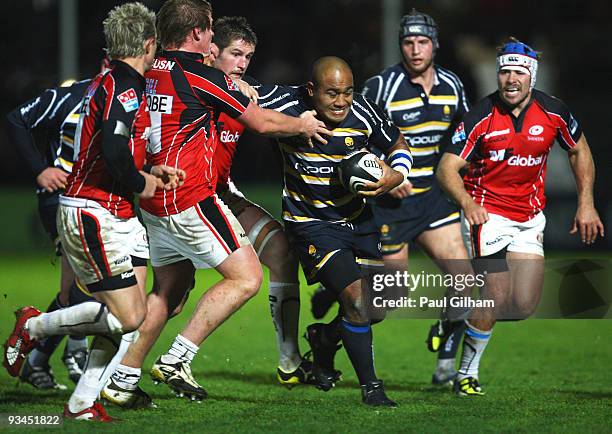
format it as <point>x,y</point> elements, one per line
<point>357,168</point>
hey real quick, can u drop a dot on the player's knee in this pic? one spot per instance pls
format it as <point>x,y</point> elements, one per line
<point>525,308</point>
<point>250,281</point>
<point>131,320</point>
<point>352,302</point>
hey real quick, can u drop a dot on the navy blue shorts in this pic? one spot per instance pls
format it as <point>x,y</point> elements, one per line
<point>401,221</point>
<point>336,254</point>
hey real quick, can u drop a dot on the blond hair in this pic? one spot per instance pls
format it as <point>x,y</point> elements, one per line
<point>126,28</point>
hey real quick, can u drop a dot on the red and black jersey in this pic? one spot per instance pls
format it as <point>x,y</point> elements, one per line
<point>185,98</point>
<point>230,131</point>
<point>115,97</point>
<point>508,154</point>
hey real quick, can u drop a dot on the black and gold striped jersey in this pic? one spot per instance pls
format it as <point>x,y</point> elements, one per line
<point>56,111</point>
<point>312,190</point>
<point>425,120</point>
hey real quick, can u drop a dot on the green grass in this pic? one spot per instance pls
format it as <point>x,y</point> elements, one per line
<point>539,375</point>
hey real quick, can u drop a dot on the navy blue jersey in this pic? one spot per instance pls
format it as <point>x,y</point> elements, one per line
<point>312,188</point>
<point>56,111</point>
<point>424,120</point>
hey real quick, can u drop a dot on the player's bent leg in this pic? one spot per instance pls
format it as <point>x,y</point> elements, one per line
<point>527,277</point>
<point>356,333</point>
<point>272,246</point>
<point>170,285</point>
<point>242,277</point>
<point>479,326</point>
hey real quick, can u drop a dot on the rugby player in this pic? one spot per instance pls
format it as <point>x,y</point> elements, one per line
<point>191,227</point>
<point>234,42</point>
<point>504,142</point>
<point>426,102</point>
<point>100,234</point>
<point>331,229</point>
<point>54,113</point>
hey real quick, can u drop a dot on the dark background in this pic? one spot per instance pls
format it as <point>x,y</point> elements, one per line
<point>574,37</point>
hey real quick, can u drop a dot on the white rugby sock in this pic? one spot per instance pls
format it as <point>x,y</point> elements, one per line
<point>285,309</point>
<point>104,355</point>
<point>182,349</point>
<point>89,318</point>
<point>474,343</point>
<point>126,377</point>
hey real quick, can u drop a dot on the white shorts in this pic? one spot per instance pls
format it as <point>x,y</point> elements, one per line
<point>206,234</point>
<point>100,245</point>
<point>500,232</point>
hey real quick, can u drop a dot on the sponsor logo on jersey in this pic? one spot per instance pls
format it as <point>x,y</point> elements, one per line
<point>425,140</point>
<point>160,103</point>
<point>349,142</point>
<point>497,133</point>
<point>446,110</point>
<point>231,84</point>
<point>228,137</point>
<point>151,86</point>
<point>500,154</point>
<point>29,107</point>
<point>528,161</point>
<point>164,65</point>
<point>129,100</point>
<point>413,116</point>
<point>315,170</point>
<point>459,134</point>
<point>536,130</point>
<point>384,229</point>
<point>312,250</point>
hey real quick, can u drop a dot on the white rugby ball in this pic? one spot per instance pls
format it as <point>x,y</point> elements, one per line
<point>358,168</point>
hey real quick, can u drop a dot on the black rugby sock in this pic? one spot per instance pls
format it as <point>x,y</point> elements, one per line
<point>357,340</point>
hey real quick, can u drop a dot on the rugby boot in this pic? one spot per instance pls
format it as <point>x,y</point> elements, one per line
<point>373,393</point>
<point>178,377</point>
<point>41,377</point>
<point>94,413</point>
<point>125,398</point>
<point>19,344</point>
<point>468,386</point>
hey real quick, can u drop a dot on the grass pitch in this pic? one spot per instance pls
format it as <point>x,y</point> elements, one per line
<point>539,375</point>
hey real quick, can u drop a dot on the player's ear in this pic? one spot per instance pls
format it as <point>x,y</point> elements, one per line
<point>310,88</point>
<point>150,45</point>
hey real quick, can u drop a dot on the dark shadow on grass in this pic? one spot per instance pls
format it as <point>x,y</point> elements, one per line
<point>271,380</point>
<point>23,395</point>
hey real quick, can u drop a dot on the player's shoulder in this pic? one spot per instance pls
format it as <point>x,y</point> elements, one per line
<point>447,74</point>
<point>382,77</point>
<point>549,103</point>
<point>252,81</point>
<point>280,97</point>
<point>481,110</point>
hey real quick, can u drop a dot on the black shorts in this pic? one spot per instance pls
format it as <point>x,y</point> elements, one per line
<point>47,211</point>
<point>336,254</point>
<point>401,221</point>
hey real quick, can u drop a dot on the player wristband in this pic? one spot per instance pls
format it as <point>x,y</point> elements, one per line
<point>401,161</point>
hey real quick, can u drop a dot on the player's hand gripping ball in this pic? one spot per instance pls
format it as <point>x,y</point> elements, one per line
<point>358,168</point>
